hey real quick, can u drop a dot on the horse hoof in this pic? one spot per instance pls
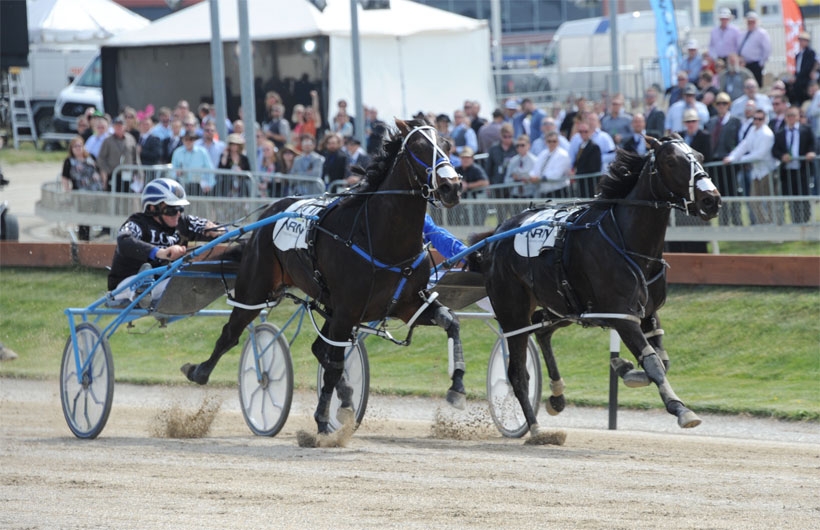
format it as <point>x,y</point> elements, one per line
<point>345,415</point>
<point>555,405</point>
<point>688,420</point>
<point>635,379</point>
<point>539,437</point>
<point>457,399</point>
<point>190,371</point>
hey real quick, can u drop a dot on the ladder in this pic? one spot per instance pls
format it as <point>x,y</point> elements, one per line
<point>20,110</point>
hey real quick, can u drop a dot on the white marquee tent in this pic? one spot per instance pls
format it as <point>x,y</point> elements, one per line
<point>414,57</point>
<point>78,21</point>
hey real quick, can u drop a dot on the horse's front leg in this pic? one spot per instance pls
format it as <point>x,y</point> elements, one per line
<point>441,316</point>
<point>332,358</point>
<point>624,368</point>
<point>231,331</point>
<point>634,338</point>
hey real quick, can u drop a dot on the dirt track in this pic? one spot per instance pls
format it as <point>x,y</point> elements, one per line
<point>392,475</point>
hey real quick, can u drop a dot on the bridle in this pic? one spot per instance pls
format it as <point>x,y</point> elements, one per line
<point>440,166</point>
<point>698,178</point>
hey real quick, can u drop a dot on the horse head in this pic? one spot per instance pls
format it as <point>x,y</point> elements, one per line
<point>682,178</point>
<point>427,154</point>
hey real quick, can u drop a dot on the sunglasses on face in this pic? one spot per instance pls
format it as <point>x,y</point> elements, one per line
<point>171,211</point>
<point>521,145</point>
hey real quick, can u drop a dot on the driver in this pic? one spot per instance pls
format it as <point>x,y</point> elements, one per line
<point>155,236</point>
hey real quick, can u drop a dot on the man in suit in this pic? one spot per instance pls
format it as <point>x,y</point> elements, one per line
<point>655,117</point>
<point>173,141</point>
<point>723,129</point>
<point>793,141</point>
<point>804,63</point>
<point>528,121</point>
<point>587,161</point>
<point>779,106</point>
<point>635,141</point>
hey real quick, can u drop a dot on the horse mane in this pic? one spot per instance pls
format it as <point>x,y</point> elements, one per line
<point>376,173</point>
<point>622,176</point>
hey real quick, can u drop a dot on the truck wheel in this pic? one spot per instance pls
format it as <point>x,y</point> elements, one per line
<point>43,121</point>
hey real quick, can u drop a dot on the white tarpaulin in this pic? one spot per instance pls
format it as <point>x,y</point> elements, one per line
<point>413,57</point>
<point>78,21</point>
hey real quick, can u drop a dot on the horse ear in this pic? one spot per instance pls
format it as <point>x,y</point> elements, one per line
<point>652,142</point>
<point>403,127</point>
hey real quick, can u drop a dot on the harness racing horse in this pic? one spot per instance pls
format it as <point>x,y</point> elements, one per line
<point>606,270</point>
<point>366,262</point>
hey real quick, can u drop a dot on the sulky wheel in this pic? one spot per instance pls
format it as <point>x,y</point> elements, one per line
<point>504,406</point>
<point>265,380</point>
<point>357,375</point>
<point>87,381</point>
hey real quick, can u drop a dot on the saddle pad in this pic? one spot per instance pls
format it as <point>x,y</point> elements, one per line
<point>291,232</point>
<point>532,242</point>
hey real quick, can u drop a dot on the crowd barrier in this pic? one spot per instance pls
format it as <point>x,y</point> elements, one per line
<point>233,195</point>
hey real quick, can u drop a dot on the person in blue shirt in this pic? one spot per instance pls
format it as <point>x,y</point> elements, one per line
<point>446,243</point>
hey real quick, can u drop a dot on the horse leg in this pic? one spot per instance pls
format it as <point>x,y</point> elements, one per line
<point>334,364</point>
<point>231,331</point>
<point>444,318</point>
<point>556,402</point>
<point>626,370</point>
<point>634,338</point>
<point>519,377</point>
<point>343,390</point>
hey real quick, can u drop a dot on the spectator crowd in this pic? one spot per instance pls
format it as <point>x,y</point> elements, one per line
<point>758,136</point>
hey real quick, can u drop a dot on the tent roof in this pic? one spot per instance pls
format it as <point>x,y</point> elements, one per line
<point>286,19</point>
<point>79,20</point>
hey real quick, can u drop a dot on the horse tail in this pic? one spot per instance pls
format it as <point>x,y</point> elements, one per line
<point>475,260</point>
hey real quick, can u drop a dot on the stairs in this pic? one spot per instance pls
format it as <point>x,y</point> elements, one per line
<point>22,121</point>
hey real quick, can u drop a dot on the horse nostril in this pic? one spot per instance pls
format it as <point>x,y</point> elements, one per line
<point>444,189</point>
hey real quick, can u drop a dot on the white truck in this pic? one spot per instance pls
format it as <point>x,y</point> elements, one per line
<point>52,71</point>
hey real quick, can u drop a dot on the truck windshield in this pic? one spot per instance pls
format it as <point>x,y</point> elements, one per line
<point>92,75</point>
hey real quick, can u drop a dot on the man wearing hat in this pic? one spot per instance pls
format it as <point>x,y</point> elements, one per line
<point>117,149</point>
<point>692,62</point>
<point>804,63</point>
<point>192,156</point>
<point>510,110</point>
<point>473,176</point>
<point>694,136</point>
<point>725,37</point>
<point>724,134</point>
<point>674,118</point>
<point>755,46</point>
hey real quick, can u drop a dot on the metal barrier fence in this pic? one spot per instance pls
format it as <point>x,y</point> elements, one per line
<point>769,215</point>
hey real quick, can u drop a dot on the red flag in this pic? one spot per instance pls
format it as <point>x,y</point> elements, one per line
<point>793,25</point>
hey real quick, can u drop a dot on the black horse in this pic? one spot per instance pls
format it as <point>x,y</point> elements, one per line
<point>606,269</point>
<point>366,261</point>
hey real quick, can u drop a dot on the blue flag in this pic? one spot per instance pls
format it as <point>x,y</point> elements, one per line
<point>666,34</point>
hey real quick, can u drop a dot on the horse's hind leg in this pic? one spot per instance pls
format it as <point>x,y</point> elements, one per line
<point>624,368</point>
<point>556,402</point>
<point>638,344</point>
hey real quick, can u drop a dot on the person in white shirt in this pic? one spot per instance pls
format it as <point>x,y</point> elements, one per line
<point>519,168</point>
<point>547,126</point>
<point>756,150</point>
<point>551,168</point>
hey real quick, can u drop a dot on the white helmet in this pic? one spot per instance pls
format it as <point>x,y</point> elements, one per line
<point>164,190</point>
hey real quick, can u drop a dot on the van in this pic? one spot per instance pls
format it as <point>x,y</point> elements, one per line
<point>85,91</point>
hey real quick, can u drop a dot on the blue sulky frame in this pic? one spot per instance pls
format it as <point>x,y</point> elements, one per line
<point>266,369</point>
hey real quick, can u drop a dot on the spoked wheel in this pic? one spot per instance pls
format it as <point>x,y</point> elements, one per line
<point>265,380</point>
<point>87,382</point>
<point>357,375</point>
<point>504,406</point>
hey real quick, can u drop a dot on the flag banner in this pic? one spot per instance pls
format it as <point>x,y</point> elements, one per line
<point>666,35</point>
<point>793,25</point>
